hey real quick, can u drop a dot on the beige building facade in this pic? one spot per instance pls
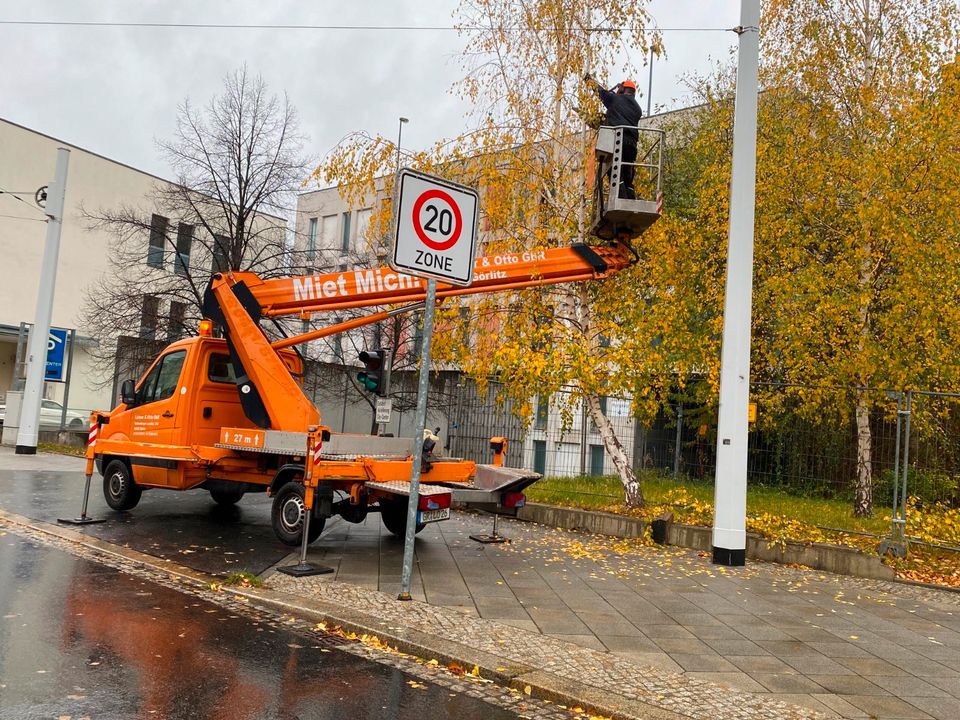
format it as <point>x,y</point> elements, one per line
<point>94,184</point>
<point>27,160</point>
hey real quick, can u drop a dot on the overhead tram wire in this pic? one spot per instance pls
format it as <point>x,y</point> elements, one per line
<point>291,26</point>
<point>16,196</point>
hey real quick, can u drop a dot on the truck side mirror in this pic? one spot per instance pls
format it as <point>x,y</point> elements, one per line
<point>128,393</point>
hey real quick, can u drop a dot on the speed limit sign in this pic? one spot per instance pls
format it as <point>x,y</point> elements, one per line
<point>436,228</point>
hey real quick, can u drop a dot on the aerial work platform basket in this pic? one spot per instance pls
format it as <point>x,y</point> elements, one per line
<point>620,208</point>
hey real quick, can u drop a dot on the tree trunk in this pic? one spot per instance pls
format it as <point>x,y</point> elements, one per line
<point>632,492</point>
<point>863,498</point>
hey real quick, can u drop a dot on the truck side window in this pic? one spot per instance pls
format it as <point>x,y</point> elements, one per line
<point>162,380</point>
<point>220,369</point>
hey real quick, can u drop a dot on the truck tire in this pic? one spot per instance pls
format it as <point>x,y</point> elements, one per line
<point>394,515</point>
<point>226,497</point>
<point>288,513</point>
<point>119,489</point>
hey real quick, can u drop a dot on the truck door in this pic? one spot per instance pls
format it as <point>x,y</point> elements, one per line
<point>156,418</point>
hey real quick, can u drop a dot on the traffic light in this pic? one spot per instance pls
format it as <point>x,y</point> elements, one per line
<point>372,376</point>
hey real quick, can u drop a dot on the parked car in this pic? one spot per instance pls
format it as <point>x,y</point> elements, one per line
<point>50,414</point>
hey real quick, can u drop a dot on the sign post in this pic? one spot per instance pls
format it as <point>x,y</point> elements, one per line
<point>435,235</point>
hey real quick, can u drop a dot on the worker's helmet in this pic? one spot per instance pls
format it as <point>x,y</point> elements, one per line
<point>629,84</point>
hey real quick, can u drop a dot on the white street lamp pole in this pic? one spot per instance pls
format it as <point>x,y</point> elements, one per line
<point>39,336</point>
<point>730,487</point>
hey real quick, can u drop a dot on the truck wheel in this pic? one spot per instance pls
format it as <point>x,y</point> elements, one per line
<point>288,513</point>
<point>119,489</point>
<point>394,514</point>
<point>225,497</point>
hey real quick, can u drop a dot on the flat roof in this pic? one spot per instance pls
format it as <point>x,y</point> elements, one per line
<point>110,160</point>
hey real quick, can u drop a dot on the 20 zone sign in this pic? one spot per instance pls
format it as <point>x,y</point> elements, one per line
<point>436,228</point>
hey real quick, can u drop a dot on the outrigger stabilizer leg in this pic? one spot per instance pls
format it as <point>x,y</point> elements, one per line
<point>83,519</point>
<point>493,538</point>
<point>303,568</point>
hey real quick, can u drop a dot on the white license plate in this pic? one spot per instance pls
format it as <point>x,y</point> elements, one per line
<point>425,516</point>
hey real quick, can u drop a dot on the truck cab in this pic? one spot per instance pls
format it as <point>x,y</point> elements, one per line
<point>184,399</point>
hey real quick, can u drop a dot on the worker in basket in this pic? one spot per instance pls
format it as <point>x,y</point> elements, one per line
<point>622,110</point>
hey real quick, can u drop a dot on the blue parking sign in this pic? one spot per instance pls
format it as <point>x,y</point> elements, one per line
<point>56,368</point>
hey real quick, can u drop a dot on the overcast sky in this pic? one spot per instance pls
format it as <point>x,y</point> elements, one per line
<point>114,90</point>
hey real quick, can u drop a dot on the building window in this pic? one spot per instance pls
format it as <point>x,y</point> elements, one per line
<point>176,323</point>
<point>158,237</point>
<point>596,460</point>
<point>328,233</point>
<point>220,253</point>
<point>148,317</point>
<point>540,456</point>
<point>181,263</point>
<point>312,241</point>
<point>543,410</point>
<point>345,234</point>
<point>363,225</point>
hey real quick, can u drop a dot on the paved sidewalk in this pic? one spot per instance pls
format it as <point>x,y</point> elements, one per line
<point>841,646</point>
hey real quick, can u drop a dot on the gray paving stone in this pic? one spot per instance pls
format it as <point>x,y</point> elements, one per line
<point>847,685</point>
<point>715,632</point>
<point>588,641</point>
<point>888,707</point>
<point>726,646</point>
<point>903,685</point>
<point>684,646</point>
<point>628,644</point>
<point>816,665</point>
<point>767,664</point>
<point>703,662</point>
<point>837,649</point>
<point>839,706</point>
<point>667,631</point>
<point>924,668</point>
<point>939,708</point>
<point>871,666</point>
<point>787,683</point>
<point>788,648</point>
<point>735,680</point>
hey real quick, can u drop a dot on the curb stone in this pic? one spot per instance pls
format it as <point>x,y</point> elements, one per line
<point>819,556</point>
<point>543,684</point>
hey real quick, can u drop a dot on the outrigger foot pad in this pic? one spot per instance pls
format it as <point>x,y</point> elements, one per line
<point>305,570</point>
<point>489,539</point>
<point>80,521</point>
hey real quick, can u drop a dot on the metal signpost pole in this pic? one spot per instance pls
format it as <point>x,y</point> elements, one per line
<point>39,336</point>
<point>420,426</point>
<point>730,489</point>
<point>66,387</point>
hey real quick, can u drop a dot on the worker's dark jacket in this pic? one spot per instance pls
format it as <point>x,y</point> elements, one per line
<point>621,110</point>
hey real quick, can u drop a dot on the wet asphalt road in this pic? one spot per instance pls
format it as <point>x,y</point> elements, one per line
<point>82,640</point>
<point>186,527</point>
